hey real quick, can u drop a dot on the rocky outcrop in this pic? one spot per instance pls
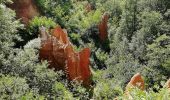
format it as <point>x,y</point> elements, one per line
<point>103,27</point>
<point>136,81</point>
<point>58,50</point>
<point>25,9</point>
<point>167,84</point>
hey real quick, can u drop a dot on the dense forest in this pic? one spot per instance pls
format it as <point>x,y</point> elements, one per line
<point>84,49</point>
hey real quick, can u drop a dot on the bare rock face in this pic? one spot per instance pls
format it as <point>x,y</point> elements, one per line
<point>103,27</point>
<point>58,50</point>
<point>25,9</point>
<point>167,84</point>
<point>136,81</point>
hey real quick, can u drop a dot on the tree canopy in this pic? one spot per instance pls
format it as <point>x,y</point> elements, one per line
<point>125,37</point>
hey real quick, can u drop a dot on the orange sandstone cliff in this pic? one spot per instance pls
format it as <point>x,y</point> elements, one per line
<point>58,50</point>
<point>25,9</point>
<point>103,27</point>
<point>136,81</point>
<point>167,84</point>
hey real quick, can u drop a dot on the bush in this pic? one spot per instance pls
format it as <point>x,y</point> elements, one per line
<point>106,90</point>
<point>59,10</point>
<point>39,22</point>
<point>137,94</point>
<point>12,87</point>
<point>8,29</point>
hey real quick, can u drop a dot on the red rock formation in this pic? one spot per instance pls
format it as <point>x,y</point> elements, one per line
<point>103,27</point>
<point>78,66</point>
<point>25,9</point>
<point>136,81</point>
<point>47,51</point>
<point>58,50</point>
<point>167,84</point>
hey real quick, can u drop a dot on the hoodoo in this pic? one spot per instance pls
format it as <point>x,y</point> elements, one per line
<point>58,50</point>
<point>103,27</point>
<point>25,9</point>
<point>136,81</point>
<point>167,84</point>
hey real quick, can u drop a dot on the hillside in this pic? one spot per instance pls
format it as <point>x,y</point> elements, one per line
<point>84,50</point>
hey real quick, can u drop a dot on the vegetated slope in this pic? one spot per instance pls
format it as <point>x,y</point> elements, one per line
<point>133,39</point>
<point>25,9</point>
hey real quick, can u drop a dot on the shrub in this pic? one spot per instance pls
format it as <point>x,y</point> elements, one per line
<point>39,22</point>
<point>12,87</point>
<point>137,94</point>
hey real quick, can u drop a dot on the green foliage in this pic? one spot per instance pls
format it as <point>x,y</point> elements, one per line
<point>61,92</point>
<point>137,94</point>
<point>32,96</point>
<point>25,65</point>
<point>42,21</point>
<point>80,92</point>
<point>81,20</point>
<point>39,22</point>
<point>57,9</point>
<point>138,27</point>
<point>102,56</point>
<point>8,28</point>
<point>159,50</point>
<point>90,19</point>
<point>75,37</point>
<point>12,87</point>
<point>158,55</point>
<point>105,90</point>
<point>166,64</point>
<point>138,41</point>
